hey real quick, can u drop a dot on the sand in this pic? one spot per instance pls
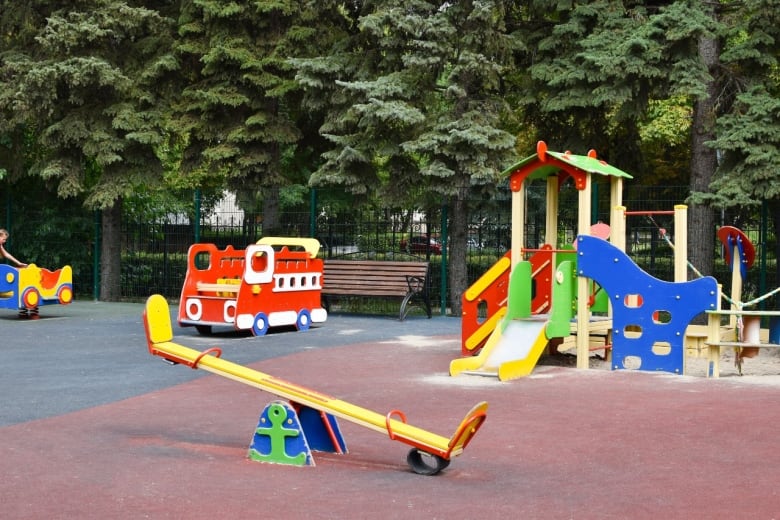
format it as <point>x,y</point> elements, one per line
<point>764,369</point>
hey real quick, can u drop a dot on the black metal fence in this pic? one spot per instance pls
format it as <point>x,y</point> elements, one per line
<point>154,253</point>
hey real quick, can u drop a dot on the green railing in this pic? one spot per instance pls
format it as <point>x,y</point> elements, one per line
<point>154,252</point>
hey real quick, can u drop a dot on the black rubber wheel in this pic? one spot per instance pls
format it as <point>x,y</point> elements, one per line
<point>203,330</point>
<point>424,463</point>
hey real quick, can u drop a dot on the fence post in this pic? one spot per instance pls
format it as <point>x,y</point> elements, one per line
<point>197,215</point>
<point>762,233</point>
<point>444,240</point>
<point>313,213</point>
<point>444,259</point>
<point>8,213</point>
<point>96,259</point>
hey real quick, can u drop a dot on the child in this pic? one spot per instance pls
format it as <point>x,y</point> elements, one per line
<point>23,312</point>
<point>6,254</point>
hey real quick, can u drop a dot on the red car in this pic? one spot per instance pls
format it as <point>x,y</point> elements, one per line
<point>421,245</point>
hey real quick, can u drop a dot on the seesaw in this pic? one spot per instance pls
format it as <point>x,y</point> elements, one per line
<point>430,453</point>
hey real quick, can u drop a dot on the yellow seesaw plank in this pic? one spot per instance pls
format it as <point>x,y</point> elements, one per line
<point>160,335</point>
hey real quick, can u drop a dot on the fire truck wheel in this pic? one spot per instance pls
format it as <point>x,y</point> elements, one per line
<point>304,320</point>
<point>203,330</point>
<point>260,325</point>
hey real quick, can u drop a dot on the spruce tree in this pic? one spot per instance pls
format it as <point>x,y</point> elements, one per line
<point>603,63</point>
<point>238,111</point>
<point>748,134</point>
<point>418,110</point>
<point>88,84</point>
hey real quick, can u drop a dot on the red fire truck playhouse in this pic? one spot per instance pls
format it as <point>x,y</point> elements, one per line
<point>273,283</point>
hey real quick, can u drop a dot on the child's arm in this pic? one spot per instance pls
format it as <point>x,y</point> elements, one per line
<point>10,257</point>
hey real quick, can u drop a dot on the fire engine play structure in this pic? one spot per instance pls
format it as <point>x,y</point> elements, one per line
<point>287,433</point>
<point>553,294</point>
<point>32,287</point>
<point>272,283</point>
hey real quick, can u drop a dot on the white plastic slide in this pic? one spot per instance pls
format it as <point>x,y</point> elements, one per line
<point>511,351</point>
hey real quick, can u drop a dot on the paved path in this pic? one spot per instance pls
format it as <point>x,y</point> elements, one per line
<point>86,354</point>
<point>94,427</point>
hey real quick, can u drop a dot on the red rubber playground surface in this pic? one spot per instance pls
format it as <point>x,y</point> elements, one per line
<point>563,443</point>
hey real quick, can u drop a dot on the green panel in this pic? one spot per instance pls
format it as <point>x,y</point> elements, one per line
<point>590,165</point>
<point>563,302</point>
<point>601,301</point>
<point>566,257</point>
<point>519,298</point>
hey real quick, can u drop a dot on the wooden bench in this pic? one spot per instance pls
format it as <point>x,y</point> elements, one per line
<point>407,280</point>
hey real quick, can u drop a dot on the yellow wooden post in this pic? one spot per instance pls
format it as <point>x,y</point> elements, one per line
<point>583,312</point>
<point>518,224</point>
<point>618,225</point>
<point>680,243</point>
<point>713,338</point>
<point>617,219</point>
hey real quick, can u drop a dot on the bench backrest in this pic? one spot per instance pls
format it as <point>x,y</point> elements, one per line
<point>370,277</point>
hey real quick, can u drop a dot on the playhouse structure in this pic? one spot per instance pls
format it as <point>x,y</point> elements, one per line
<point>272,283</point>
<point>537,298</point>
<point>31,287</point>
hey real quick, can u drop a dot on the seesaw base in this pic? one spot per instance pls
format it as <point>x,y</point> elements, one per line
<point>288,433</point>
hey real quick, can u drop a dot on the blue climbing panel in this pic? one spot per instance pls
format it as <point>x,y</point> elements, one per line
<point>649,315</point>
<point>322,430</point>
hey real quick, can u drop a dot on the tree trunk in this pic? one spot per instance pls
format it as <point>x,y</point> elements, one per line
<point>271,222</point>
<point>458,274</point>
<point>701,220</point>
<point>111,253</point>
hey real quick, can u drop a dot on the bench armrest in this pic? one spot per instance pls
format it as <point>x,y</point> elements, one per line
<point>416,283</point>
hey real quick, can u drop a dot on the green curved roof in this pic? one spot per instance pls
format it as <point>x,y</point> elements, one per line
<point>581,162</point>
